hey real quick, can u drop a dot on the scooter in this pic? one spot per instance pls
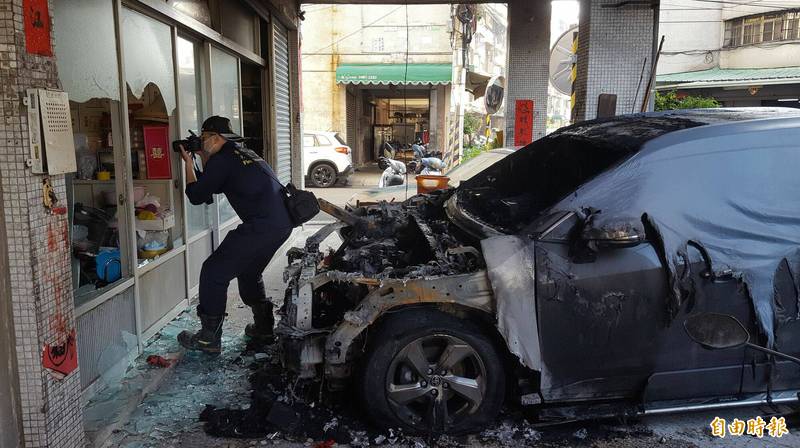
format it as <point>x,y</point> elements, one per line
<point>394,172</point>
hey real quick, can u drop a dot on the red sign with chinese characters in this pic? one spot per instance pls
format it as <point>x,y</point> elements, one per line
<point>156,152</point>
<point>61,359</point>
<point>523,122</point>
<point>37,27</point>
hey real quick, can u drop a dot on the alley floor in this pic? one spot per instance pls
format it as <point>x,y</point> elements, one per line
<point>198,387</point>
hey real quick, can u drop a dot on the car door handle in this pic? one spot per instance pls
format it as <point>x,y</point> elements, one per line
<point>721,276</point>
<point>725,275</point>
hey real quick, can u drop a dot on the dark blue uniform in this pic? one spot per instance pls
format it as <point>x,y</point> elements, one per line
<point>257,197</point>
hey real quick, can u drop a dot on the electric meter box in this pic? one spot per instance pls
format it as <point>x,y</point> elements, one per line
<point>52,147</point>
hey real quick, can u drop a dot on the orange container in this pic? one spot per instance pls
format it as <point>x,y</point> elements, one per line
<point>427,183</point>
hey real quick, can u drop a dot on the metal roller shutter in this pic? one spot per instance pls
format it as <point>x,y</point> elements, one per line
<point>351,120</point>
<point>352,139</point>
<point>283,112</point>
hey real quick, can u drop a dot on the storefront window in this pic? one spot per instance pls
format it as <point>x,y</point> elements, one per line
<point>198,216</point>
<point>225,102</point>
<point>91,78</point>
<point>157,197</point>
<point>92,70</point>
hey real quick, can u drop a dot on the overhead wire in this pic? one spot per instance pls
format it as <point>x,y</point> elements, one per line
<point>358,30</point>
<point>733,3</point>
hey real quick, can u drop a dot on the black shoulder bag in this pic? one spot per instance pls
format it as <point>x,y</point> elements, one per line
<point>302,204</point>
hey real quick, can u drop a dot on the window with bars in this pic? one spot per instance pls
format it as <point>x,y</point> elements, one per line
<point>791,26</point>
<point>751,31</point>
<point>762,28</point>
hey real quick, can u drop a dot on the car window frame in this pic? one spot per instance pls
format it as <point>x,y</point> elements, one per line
<point>313,139</point>
<point>546,231</point>
<point>320,142</point>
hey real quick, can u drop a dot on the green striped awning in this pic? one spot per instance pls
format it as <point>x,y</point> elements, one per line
<point>385,74</point>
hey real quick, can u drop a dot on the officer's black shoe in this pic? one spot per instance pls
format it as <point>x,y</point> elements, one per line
<point>263,320</point>
<point>208,339</point>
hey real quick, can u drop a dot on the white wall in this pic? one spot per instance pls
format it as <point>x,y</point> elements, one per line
<point>731,11</point>
<point>693,33</point>
<point>363,34</point>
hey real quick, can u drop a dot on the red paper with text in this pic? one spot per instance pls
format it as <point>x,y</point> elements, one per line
<point>523,122</point>
<point>37,27</point>
<point>156,151</point>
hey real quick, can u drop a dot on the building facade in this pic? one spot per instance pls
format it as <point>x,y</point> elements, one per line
<point>100,248</point>
<point>391,73</point>
<point>740,54</point>
<point>486,56</point>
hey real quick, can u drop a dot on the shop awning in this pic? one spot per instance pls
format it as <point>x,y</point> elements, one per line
<point>385,74</point>
<point>728,77</point>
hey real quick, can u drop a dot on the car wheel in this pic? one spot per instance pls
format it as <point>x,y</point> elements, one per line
<point>430,371</point>
<point>323,175</point>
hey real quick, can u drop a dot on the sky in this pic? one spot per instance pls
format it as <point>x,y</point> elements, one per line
<point>564,13</point>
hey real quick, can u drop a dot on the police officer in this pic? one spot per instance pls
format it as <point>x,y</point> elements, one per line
<point>257,197</point>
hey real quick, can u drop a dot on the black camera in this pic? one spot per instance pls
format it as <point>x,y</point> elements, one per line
<point>192,143</point>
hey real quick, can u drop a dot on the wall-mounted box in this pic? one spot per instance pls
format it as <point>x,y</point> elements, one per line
<point>52,147</point>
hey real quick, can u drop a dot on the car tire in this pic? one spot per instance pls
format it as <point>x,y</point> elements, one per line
<point>468,393</point>
<point>322,175</point>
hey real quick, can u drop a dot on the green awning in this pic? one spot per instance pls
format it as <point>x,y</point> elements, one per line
<point>385,74</point>
<point>729,77</point>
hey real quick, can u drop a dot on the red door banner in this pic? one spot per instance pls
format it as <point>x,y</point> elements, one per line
<point>37,27</point>
<point>156,152</point>
<point>523,122</point>
<point>61,359</point>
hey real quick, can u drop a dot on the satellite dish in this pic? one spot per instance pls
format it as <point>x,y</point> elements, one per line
<point>561,59</point>
<point>493,98</point>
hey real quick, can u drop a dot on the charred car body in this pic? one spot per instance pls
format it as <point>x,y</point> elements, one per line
<point>566,270</point>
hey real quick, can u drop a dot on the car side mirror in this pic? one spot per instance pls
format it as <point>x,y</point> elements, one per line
<point>613,237</point>
<point>716,331</point>
<point>721,331</point>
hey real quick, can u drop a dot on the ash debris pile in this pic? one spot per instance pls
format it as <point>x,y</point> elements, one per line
<point>401,240</point>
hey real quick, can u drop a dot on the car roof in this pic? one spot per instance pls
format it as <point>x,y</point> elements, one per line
<point>630,132</point>
<point>319,132</point>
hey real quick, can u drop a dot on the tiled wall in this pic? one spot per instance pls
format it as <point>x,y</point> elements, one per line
<point>38,246</point>
<point>612,47</point>
<point>528,62</point>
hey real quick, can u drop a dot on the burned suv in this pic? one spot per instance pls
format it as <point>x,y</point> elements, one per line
<point>562,275</point>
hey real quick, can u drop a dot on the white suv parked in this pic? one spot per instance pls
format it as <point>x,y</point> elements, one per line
<point>326,158</point>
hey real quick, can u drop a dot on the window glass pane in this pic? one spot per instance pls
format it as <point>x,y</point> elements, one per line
<point>323,141</point>
<point>92,197</point>
<point>198,217</point>
<point>308,140</point>
<point>88,72</point>
<point>736,34</point>
<point>225,102</point>
<point>727,38</point>
<point>148,55</point>
<point>87,61</point>
<point>790,27</point>
<point>748,34</point>
<point>158,199</point>
<point>225,87</point>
